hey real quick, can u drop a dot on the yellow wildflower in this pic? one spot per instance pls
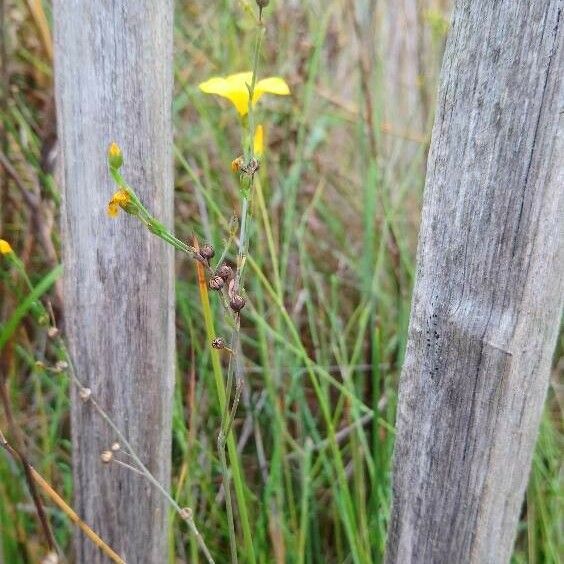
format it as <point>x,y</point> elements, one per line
<point>258,141</point>
<point>5,247</point>
<point>234,88</point>
<point>115,156</point>
<point>119,200</point>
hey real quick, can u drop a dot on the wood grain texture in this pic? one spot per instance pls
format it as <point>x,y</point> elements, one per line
<point>113,66</point>
<point>489,287</point>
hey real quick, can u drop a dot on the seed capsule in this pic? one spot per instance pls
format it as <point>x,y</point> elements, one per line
<point>218,343</point>
<point>207,251</point>
<point>237,303</point>
<point>225,271</point>
<point>262,3</point>
<point>216,283</point>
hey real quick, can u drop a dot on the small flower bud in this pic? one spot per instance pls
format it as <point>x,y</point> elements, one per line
<point>207,252</point>
<point>225,272</point>
<point>106,456</point>
<point>115,156</point>
<point>216,283</point>
<point>61,365</point>
<point>237,303</point>
<point>218,343</point>
<point>5,247</point>
<point>85,394</point>
<point>115,447</point>
<point>39,365</point>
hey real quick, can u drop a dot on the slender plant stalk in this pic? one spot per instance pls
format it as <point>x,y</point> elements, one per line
<point>229,439</point>
<point>60,502</point>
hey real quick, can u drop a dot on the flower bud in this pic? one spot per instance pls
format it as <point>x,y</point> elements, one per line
<point>115,156</point>
<point>5,247</point>
<point>106,456</point>
<point>216,283</point>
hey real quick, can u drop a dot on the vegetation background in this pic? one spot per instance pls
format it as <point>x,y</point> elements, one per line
<point>333,264</point>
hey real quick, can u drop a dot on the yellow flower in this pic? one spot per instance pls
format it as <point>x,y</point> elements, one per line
<point>234,88</point>
<point>115,156</point>
<point>119,200</point>
<point>258,141</point>
<point>5,247</point>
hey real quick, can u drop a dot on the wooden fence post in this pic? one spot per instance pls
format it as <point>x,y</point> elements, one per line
<point>489,287</point>
<point>113,73</point>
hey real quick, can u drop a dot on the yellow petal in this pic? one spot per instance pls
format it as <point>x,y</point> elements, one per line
<point>272,85</point>
<point>258,141</point>
<point>215,85</point>
<point>113,209</point>
<point>233,88</point>
<point>121,198</point>
<point>5,247</point>
<point>240,80</point>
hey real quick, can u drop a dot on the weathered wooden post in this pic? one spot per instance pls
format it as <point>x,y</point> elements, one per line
<point>489,288</point>
<point>113,67</point>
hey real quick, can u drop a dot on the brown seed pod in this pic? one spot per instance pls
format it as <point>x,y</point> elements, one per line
<point>218,343</point>
<point>225,271</point>
<point>207,251</point>
<point>262,3</point>
<point>237,303</point>
<point>216,283</point>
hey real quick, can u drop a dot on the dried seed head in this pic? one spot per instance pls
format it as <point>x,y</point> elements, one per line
<point>61,365</point>
<point>216,283</point>
<point>236,164</point>
<point>218,343</point>
<point>85,394</point>
<point>51,558</point>
<point>106,456</point>
<point>207,251</point>
<point>52,332</point>
<point>237,303</point>
<point>186,513</point>
<point>225,272</point>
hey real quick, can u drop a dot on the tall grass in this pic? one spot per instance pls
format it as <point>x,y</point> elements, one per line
<point>328,276</point>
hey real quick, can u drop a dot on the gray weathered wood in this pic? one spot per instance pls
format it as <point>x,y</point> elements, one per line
<point>114,83</point>
<point>488,294</point>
